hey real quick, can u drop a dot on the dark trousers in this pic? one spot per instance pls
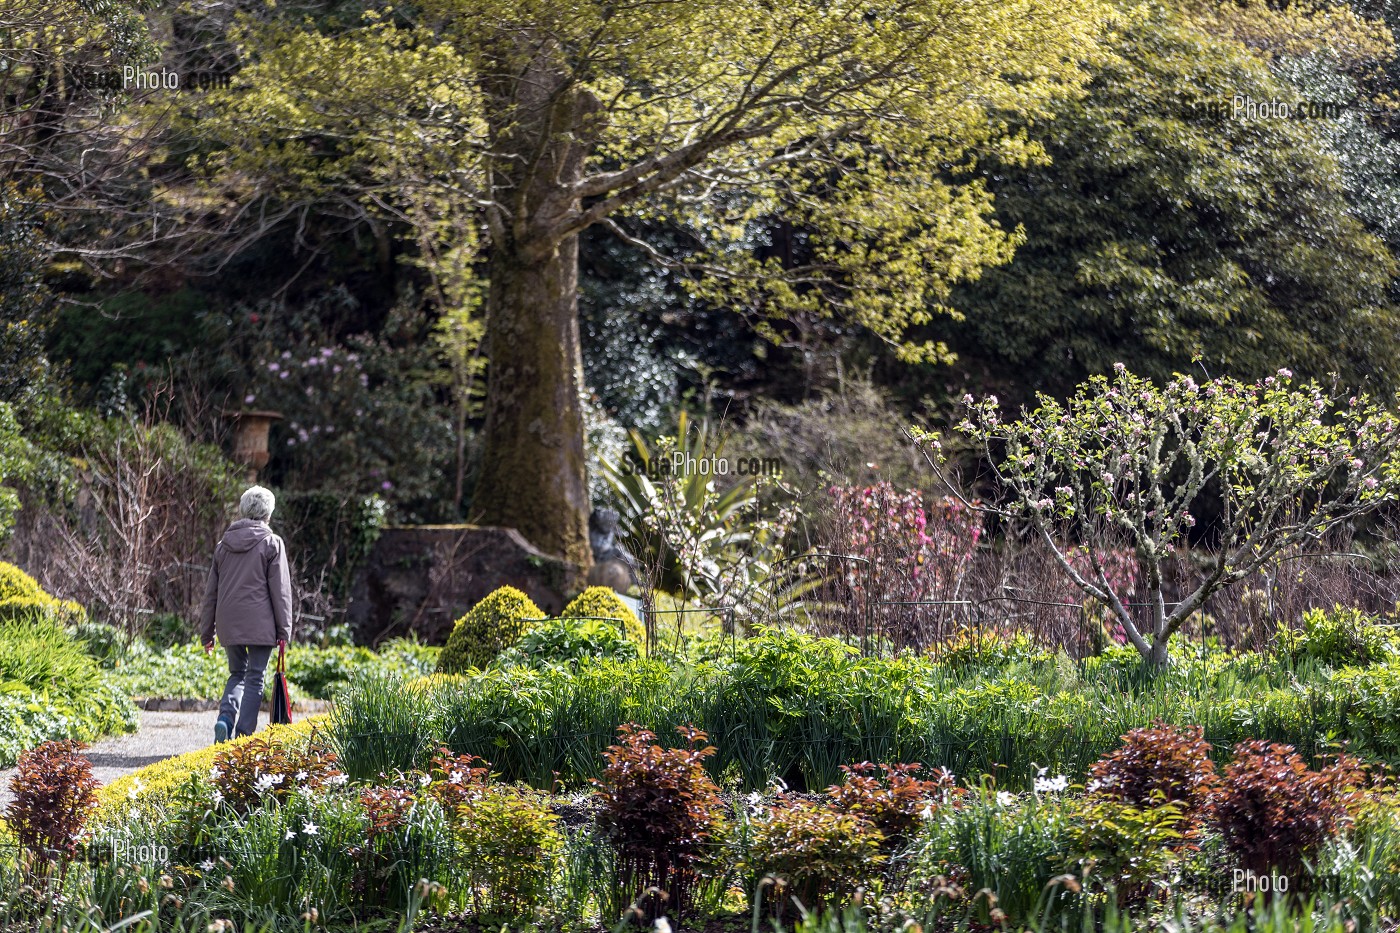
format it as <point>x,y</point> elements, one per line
<point>246,667</point>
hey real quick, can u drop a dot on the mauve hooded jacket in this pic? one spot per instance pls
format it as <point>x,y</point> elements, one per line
<point>249,594</point>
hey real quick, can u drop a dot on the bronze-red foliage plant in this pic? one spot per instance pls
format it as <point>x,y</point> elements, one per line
<point>1159,765</point>
<point>660,810</point>
<point>54,793</point>
<point>1273,811</point>
<point>458,779</point>
<point>261,770</point>
<point>896,800</point>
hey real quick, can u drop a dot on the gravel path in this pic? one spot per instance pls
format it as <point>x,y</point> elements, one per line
<point>162,735</point>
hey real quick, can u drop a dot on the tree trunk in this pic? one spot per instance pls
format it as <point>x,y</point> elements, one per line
<point>532,476</point>
<point>533,469</point>
<point>1158,659</point>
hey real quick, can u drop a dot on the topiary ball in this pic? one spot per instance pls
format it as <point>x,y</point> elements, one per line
<point>16,584</point>
<point>600,602</point>
<point>21,597</point>
<point>492,625</point>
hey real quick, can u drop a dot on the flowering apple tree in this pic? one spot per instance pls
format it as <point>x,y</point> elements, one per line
<point>1127,464</point>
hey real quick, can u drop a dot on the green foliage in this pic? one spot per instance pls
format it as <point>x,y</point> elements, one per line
<point>564,641</point>
<point>491,626</point>
<point>1156,232</point>
<point>21,597</point>
<point>321,672</point>
<point>887,236</point>
<point>158,785</point>
<point>511,845</point>
<point>600,602</point>
<point>1127,848</point>
<point>1012,848</point>
<point>663,507</point>
<point>362,412</point>
<point>383,724</point>
<point>333,533</point>
<point>50,688</point>
<point>26,301</point>
<point>128,337</point>
<point>17,463</point>
<point>1342,637</point>
<point>184,670</point>
<point>698,536</point>
<point>817,856</point>
<point>796,708</point>
<point>103,642</point>
<point>990,649</point>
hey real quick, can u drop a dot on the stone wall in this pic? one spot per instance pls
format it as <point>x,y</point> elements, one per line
<point>420,579</point>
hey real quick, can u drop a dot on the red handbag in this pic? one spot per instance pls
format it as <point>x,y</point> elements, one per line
<point>281,713</point>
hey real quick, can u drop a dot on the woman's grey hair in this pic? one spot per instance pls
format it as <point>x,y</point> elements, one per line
<point>257,503</point>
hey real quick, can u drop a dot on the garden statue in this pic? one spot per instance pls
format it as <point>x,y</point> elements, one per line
<point>613,566</point>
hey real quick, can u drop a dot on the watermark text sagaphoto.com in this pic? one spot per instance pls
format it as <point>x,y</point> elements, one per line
<point>137,78</point>
<point>683,463</point>
<point>1244,107</point>
<point>1245,881</point>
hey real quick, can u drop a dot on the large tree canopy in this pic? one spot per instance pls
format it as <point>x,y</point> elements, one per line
<point>1164,228</point>
<point>496,131</point>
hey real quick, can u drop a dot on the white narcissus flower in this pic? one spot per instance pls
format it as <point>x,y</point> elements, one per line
<point>291,834</point>
<point>1005,798</point>
<point>309,829</point>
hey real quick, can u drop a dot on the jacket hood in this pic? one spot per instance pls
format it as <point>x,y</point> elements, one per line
<point>246,534</point>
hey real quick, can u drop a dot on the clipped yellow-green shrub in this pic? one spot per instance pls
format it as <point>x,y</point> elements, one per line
<point>157,783</point>
<point>492,625</point>
<point>63,611</point>
<point>600,602</point>
<point>15,583</point>
<point>22,597</point>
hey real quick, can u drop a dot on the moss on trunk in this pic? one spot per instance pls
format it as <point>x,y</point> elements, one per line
<point>533,472</point>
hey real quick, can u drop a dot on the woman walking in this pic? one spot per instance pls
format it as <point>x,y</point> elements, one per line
<point>248,601</point>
